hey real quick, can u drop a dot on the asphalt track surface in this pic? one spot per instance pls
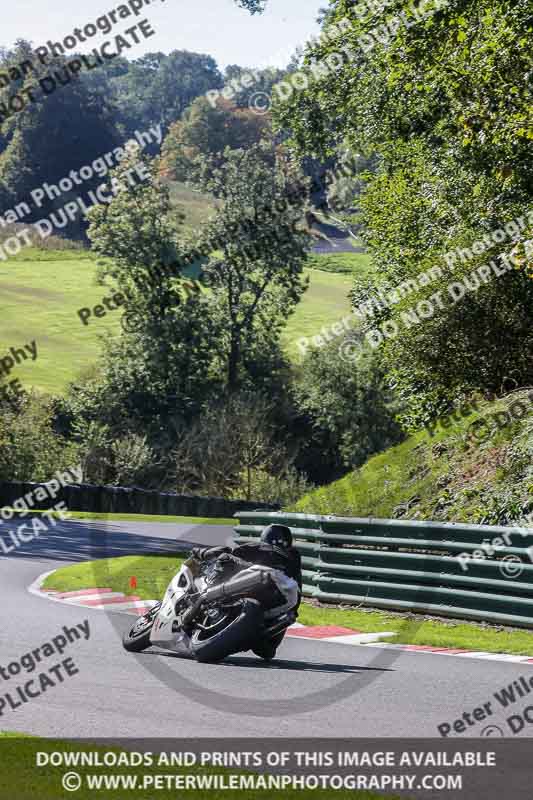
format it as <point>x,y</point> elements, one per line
<point>313,689</point>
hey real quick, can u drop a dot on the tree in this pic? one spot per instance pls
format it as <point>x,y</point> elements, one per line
<point>169,359</point>
<point>257,93</point>
<point>347,406</point>
<point>208,131</point>
<point>253,6</point>
<point>57,133</point>
<point>137,237</point>
<point>157,88</point>
<point>218,341</point>
<point>133,460</point>
<point>232,448</point>
<point>30,447</point>
<point>443,98</point>
<point>258,278</point>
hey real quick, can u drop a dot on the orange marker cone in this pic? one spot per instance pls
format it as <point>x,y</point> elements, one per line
<point>133,582</point>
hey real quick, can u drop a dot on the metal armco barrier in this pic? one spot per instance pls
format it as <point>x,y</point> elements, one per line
<point>410,565</point>
<point>130,500</point>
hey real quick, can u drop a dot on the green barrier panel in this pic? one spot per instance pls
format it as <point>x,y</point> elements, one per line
<point>410,564</point>
<point>411,528</point>
<point>425,608</point>
<point>424,578</point>
<point>446,567</point>
<point>437,595</point>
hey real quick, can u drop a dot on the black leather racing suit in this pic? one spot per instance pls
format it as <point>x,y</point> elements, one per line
<point>286,560</point>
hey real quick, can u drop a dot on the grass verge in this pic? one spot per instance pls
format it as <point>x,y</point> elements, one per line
<point>96,517</point>
<point>447,474</point>
<point>153,574</point>
<point>347,263</point>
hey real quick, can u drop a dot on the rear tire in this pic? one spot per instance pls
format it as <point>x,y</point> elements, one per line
<point>232,638</point>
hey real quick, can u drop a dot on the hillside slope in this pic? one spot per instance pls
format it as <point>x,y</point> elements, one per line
<point>42,291</point>
<point>467,471</point>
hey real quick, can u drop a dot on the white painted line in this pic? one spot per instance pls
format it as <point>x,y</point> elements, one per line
<point>136,604</point>
<point>356,638</point>
<point>35,587</point>
<point>481,656</point>
<point>79,601</point>
<point>491,656</point>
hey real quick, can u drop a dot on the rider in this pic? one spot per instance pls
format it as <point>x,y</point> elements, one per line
<point>275,550</point>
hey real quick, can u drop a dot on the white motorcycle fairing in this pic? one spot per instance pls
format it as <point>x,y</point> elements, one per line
<point>167,632</point>
<point>162,634</point>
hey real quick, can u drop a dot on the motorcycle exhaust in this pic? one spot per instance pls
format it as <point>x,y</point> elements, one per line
<point>232,588</point>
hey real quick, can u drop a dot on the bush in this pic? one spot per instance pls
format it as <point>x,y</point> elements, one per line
<point>30,448</point>
<point>284,488</point>
<point>347,406</point>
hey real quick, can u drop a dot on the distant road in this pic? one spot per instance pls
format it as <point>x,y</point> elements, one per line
<point>339,246</point>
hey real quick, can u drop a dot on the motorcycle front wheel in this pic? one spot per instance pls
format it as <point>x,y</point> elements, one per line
<point>212,641</point>
<point>137,638</point>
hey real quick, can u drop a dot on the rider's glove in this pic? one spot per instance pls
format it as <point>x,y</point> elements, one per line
<point>226,557</point>
<point>199,552</point>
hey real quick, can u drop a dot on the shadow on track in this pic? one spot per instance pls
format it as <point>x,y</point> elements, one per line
<point>76,541</point>
<point>277,664</point>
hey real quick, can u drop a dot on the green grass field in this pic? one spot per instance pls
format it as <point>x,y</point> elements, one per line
<point>324,303</point>
<point>41,294</point>
<point>94,516</point>
<point>153,574</point>
<point>43,290</point>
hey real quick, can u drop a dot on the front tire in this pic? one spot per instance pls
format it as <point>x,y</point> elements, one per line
<point>232,638</point>
<point>137,638</point>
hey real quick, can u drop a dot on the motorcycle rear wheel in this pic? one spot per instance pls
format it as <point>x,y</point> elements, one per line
<point>239,629</point>
<point>268,648</point>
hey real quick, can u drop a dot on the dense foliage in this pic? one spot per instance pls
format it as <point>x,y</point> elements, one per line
<point>445,102</point>
<point>208,130</point>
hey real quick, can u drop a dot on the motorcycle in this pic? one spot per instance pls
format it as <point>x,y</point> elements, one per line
<point>218,608</point>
